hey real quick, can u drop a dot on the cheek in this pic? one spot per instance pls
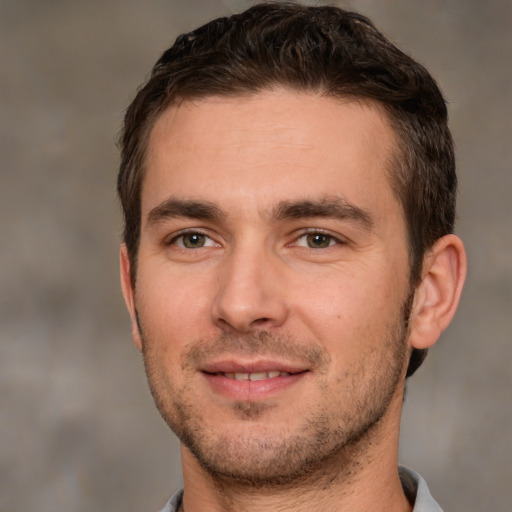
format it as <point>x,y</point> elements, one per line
<point>349,311</point>
<point>173,307</point>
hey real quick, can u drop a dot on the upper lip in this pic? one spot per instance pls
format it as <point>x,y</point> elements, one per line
<point>258,366</point>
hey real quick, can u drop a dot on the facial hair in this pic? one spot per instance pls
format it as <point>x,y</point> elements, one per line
<point>328,436</point>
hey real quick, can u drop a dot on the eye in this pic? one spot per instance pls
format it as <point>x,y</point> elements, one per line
<point>317,240</point>
<point>193,240</point>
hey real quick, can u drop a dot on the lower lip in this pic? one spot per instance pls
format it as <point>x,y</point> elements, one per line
<point>250,390</point>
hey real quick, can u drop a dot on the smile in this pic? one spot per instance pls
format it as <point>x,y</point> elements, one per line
<point>252,385</point>
<point>255,375</point>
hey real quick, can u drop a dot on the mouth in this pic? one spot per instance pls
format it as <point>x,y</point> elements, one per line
<point>251,381</point>
<point>253,376</point>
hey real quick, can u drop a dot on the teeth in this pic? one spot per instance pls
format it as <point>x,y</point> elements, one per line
<point>255,375</point>
<point>258,376</point>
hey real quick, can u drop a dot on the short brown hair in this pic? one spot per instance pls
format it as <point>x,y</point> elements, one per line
<point>319,49</point>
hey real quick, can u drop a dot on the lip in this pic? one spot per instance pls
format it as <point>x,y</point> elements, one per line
<point>251,366</point>
<point>251,390</point>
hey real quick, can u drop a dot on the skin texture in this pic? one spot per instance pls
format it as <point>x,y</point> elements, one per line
<point>271,240</point>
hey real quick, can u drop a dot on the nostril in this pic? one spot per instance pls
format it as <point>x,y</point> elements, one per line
<point>259,321</point>
<point>243,304</point>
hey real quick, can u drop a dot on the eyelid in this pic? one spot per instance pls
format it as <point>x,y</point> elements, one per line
<point>171,239</point>
<point>339,239</point>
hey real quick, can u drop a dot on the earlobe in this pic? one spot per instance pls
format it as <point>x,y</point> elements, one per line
<point>437,296</point>
<point>129,294</point>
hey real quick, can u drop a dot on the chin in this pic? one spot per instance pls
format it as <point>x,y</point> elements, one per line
<point>258,455</point>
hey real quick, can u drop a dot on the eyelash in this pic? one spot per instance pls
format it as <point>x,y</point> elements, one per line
<point>332,240</point>
<point>174,240</point>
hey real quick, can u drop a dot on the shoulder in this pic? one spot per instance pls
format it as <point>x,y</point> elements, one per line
<point>417,491</point>
<point>174,503</point>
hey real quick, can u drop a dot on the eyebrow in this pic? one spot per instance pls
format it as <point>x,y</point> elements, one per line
<point>173,208</point>
<point>337,208</point>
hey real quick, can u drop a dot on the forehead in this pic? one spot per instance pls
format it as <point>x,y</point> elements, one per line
<point>273,143</point>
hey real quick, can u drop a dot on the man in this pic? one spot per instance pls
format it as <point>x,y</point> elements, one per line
<point>288,187</point>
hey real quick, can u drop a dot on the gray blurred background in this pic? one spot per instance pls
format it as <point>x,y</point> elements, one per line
<point>78,429</point>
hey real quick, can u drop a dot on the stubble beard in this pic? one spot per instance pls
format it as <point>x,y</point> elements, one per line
<point>318,446</point>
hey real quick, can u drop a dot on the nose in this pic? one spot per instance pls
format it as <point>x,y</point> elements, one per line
<point>251,293</point>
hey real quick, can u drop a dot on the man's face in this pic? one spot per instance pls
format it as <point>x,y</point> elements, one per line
<point>272,280</point>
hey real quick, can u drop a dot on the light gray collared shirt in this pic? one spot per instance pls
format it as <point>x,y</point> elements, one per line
<point>415,489</point>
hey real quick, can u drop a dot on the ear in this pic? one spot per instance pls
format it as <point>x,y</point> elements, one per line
<point>437,296</point>
<point>129,294</point>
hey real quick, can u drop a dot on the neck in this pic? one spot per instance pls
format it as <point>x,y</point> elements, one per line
<point>361,477</point>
